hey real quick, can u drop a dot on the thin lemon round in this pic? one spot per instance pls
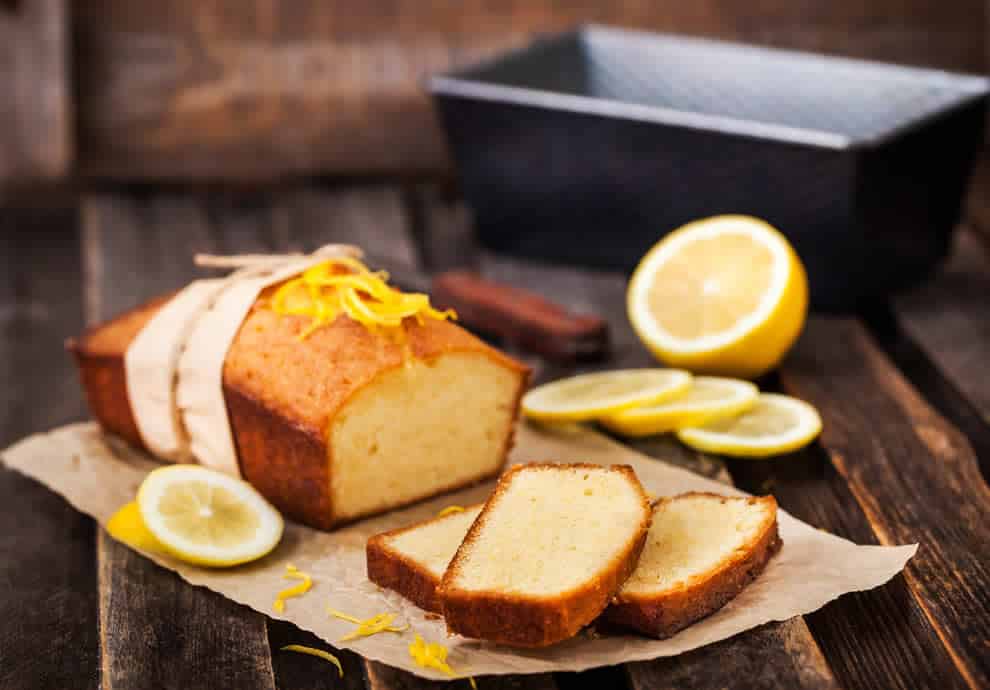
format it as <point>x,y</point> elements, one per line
<point>590,396</point>
<point>709,398</point>
<point>206,517</point>
<point>775,425</point>
<point>725,295</point>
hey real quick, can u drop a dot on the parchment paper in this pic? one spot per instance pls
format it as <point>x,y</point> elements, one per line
<point>97,475</point>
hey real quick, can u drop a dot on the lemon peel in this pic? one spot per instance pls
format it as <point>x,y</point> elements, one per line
<point>346,286</point>
<point>292,573</point>
<point>369,626</point>
<point>127,526</point>
<point>313,651</point>
<point>450,510</point>
<point>433,655</point>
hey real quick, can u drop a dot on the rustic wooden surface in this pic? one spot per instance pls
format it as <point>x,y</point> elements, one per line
<point>899,462</point>
<point>238,90</point>
<point>36,116</point>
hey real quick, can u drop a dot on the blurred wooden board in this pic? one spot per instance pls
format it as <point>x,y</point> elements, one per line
<point>36,116</point>
<point>241,89</point>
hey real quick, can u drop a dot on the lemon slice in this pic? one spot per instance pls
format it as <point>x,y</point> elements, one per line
<point>776,424</point>
<point>208,518</point>
<point>593,395</point>
<point>709,398</point>
<point>725,295</point>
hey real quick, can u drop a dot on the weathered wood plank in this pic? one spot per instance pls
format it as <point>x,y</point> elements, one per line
<point>774,655</point>
<point>913,475</point>
<point>156,630</point>
<point>949,317</point>
<point>882,633</point>
<point>381,677</point>
<point>36,115</point>
<point>233,89</point>
<point>294,671</point>
<point>48,596</point>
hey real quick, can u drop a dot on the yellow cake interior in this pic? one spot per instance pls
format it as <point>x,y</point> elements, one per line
<point>434,543</point>
<point>552,530</point>
<point>691,536</point>
<point>418,429</point>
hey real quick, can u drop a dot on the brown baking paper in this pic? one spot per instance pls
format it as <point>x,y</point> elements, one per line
<point>97,475</point>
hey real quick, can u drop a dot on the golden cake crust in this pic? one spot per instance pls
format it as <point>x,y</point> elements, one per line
<point>393,570</point>
<point>664,615</point>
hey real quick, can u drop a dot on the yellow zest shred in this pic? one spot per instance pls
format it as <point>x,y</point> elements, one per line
<point>313,651</point>
<point>450,510</point>
<point>369,626</point>
<point>346,286</point>
<point>433,655</point>
<point>292,573</point>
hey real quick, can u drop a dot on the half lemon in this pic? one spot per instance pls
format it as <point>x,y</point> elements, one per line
<point>589,396</point>
<point>206,517</point>
<point>709,398</point>
<point>725,295</point>
<point>775,425</point>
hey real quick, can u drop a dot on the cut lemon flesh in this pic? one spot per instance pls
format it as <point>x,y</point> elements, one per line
<point>590,396</point>
<point>128,526</point>
<point>208,518</point>
<point>725,295</point>
<point>776,424</point>
<point>708,398</point>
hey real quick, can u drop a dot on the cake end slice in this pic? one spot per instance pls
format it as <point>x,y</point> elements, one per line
<point>551,547</point>
<point>702,550</point>
<point>412,560</point>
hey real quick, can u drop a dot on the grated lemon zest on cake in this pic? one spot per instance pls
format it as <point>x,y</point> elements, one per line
<point>292,573</point>
<point>313,651</point>
<point>450,510</point>
<point>346,286</point>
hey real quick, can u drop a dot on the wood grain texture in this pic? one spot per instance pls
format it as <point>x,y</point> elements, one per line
<point>913,475</point>
<point>949,317</point>
<point>156,630</point>
<point>247,90</point>
<point>48,591</point>
<point>381,677</point>
<point>775,655</point>
<point>36,115</point>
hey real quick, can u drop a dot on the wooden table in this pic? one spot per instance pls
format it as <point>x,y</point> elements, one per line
<point>903,390</point>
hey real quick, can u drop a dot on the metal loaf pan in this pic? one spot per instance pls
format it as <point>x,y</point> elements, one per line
<point>587,147</point>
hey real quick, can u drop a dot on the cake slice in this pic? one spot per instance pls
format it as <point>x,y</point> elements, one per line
<point>551,547</point>
<point>702,550</point>
<point>412,560</point>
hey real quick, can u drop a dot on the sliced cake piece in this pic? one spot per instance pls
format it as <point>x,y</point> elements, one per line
<point>702,550</point>
<point>549,550</point>
<point>412,560</point>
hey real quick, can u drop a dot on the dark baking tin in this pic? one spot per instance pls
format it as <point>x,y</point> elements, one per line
<point>589,146</point>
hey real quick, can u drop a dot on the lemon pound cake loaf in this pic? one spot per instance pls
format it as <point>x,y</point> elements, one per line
<point>550,548</point>
<point>336,418</point>
<point>412,560</point>
<point>702,550</point>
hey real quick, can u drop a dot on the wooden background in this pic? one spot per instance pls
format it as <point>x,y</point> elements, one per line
<point>137,133</point>
<point>265,89</point>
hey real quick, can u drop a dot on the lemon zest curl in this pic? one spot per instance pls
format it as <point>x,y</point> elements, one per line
<point>292,573</point>
<point>369,626</point>
<point>346,286</point>
<point>450,510</point>
<point>313,651</point>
